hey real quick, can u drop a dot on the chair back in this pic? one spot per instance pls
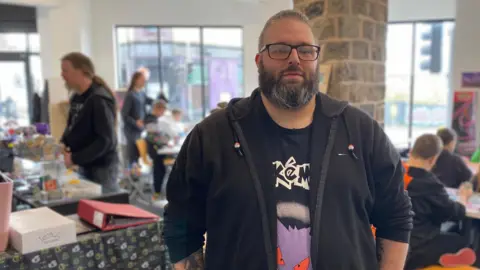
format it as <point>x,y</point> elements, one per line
<point>142,148</point>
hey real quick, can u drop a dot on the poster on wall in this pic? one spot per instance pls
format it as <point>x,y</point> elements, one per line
<point>463,121</point>
<point>325,71</point>
<point>471,79</point>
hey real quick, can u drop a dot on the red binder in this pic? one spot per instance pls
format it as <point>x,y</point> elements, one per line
<point>112,216</point>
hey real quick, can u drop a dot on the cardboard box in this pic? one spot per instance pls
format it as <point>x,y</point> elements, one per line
<point>40,228</point>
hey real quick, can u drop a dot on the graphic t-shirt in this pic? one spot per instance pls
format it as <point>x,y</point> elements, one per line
<point>291,161</point>
<point>76,105</point>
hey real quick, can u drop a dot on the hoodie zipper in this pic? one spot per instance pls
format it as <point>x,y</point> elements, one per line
<point>320,191</point>
<point>242,149</point>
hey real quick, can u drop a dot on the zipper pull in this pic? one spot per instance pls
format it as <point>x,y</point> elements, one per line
<point>238,148</point>
<point>351,149</point>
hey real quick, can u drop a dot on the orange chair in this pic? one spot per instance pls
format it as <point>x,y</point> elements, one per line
<point>143,151</point>
<point>406,178</point>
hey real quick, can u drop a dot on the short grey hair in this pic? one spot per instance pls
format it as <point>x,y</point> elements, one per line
<point>159,104</point>
<point>284,14</point>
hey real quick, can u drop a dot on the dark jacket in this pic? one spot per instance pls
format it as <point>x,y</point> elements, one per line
<point>150,119</point>
<point>432,207</point>
<point>37,108</point>
<point>451,170</point>
<point>134,108</point>
<point>229,191</point>
<point>91,136</point>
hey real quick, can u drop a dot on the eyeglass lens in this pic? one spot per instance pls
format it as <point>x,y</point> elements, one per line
<point>282,52</point>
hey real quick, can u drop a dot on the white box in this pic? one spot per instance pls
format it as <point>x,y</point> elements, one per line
<point>40,228</point>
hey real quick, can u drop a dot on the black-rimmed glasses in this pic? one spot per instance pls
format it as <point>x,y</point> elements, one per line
<point>280,51</point>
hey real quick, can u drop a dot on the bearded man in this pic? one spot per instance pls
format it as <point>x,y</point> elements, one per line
<point>287,178</point>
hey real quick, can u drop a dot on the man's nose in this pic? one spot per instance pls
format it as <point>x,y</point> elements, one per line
<point>293,59</point>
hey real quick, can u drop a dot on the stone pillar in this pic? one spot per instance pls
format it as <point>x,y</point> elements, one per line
<point>352,34</point>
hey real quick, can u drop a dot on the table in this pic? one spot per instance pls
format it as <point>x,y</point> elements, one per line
<point>169,150</point>
<point>68,206</point>
<point>473,207</point>
<point>140,247</point>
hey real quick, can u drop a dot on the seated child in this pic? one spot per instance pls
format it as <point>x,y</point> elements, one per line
<point>433,206</point>
<point>177,119</point>
<point>450,168</point>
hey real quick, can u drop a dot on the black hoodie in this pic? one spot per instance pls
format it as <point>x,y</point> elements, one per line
<point>432,207</point>
<point>221,183</point>
<point>90,133</point>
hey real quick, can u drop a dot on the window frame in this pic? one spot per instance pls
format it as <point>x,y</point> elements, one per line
<point>202,46</point>
<point>411,101</point>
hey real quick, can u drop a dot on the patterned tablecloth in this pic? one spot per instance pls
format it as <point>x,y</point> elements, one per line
<point>136,248</point>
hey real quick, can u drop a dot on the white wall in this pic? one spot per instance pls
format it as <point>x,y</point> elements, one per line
<point>419,10</point>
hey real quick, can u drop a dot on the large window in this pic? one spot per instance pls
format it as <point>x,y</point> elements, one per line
<point>20,75</point>
<point>193,67</point>
<point>417,79</point>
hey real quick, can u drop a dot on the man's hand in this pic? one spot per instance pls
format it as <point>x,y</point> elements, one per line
<point>192,262</point>
<point>140,123</point>
<point>391,255</point>
<point>67,158</point>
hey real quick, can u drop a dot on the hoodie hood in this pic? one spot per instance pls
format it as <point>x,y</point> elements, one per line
<point>99,90</point>
<point>240,107</point>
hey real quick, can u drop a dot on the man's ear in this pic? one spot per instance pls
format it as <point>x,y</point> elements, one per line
<point>258,57</point>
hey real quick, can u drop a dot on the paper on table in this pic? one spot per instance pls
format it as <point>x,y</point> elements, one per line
<point>6,189</point>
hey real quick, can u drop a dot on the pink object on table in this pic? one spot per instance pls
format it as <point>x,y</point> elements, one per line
<point>6,189</point>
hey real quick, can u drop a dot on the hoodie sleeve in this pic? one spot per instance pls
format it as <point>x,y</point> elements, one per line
<point>104,128</point>
<point>186,193</point>
<point>444,208</point>
<point>392,211</point>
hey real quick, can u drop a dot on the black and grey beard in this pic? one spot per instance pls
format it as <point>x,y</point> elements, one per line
<point>288,96</point>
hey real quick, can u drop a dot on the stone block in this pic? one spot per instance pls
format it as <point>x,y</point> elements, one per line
<point>380,112</point>
<point>378,73</point>
<point>339,91</point>
<point>377,93</point>
<point>335,50</point>
<point>346,71</point>
<point>358,93</point>
<point>360,50</point>
<point>380,32</point>
<point>349,27</point>
<point>300,3</point>
<point>359,7</point>
<point>378,52</point>
<point>314,9</point>
<point>367,72</point>
<point>338,7</point>
<point>378,12</point>
<point>368,30</point>
<point>364,93</point>
<point>323,28</point>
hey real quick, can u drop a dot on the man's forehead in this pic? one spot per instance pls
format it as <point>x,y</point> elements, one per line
<point>290,31</point>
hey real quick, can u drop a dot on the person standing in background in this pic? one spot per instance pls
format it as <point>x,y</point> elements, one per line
<point>89,138</point>
<point>133,114</point>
